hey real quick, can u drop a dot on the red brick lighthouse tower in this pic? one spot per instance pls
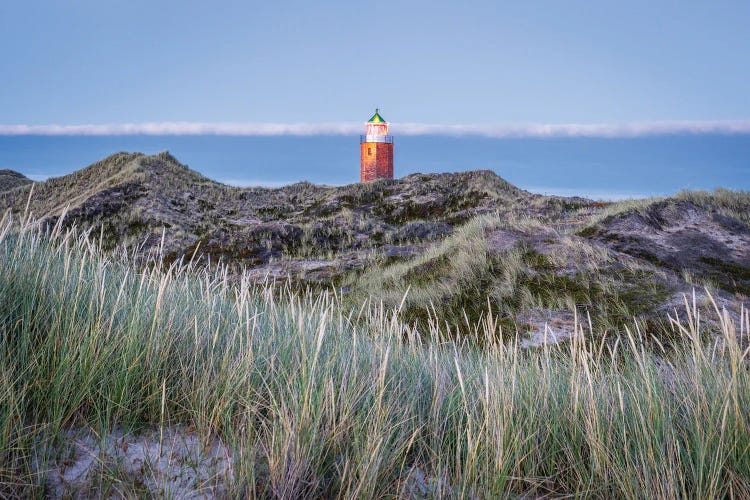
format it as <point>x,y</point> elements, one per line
<point>376,150</point>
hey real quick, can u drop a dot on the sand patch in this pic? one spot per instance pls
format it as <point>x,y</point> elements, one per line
<point>174,463</point>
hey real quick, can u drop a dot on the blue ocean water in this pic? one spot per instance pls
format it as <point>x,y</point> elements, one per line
<point>596,167</point>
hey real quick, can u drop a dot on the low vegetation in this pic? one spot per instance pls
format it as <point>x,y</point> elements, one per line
<point>704,234</point>
<point>10,180</point>
<point>507,268</point>
<point>447,248</point>
<point>136,198</point>
<point>310,398</point>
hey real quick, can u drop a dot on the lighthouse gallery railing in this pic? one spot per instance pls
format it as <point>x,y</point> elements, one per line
<point>388,139</point>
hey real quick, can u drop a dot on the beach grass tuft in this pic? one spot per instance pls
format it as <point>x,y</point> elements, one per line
<point>314,399</point>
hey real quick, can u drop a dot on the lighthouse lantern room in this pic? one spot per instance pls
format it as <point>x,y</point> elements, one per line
<point>376,150</point>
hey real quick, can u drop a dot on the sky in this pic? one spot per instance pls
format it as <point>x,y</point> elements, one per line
<point>471,64</point>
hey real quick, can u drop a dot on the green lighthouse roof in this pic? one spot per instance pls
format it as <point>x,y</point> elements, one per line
<point>376,118</point>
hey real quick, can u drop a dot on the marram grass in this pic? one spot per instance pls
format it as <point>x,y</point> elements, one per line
<point>314,402</point>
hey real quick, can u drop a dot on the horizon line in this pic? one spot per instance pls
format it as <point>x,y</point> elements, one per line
<point>532,130</point>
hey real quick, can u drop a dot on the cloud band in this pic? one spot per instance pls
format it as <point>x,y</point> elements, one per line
<point>307,129</point>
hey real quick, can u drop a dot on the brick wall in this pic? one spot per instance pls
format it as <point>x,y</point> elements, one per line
<point>376,161</point>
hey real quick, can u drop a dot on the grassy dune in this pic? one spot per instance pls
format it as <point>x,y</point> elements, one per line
<point>456,281</point>
<point>314,399</point>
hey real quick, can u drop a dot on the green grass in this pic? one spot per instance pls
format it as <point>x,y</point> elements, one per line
<point>734,204</point>
<point>726,202</point>
<point>10,180</point>
<point>458,281</point>
<point>731,277</point>
<point>316,402</point>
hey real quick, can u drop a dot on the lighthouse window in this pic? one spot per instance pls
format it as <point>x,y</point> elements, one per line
<point>369,151</point>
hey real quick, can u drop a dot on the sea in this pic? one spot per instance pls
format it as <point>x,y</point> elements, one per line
<point>599,168</point>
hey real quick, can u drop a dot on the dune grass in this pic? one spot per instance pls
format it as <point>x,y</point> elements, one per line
<point>458,280</point>
<point>315,402</point>
<point>734,204</point>
<point>726,202</point>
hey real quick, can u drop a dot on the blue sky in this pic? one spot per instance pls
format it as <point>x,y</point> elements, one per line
<point>444,63</point>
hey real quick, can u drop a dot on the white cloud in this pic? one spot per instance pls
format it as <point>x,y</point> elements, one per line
<point>349,128</point>
<point>580,130</point>
<point>184,128</point>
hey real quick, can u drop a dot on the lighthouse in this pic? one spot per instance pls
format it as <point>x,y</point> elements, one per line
<point>376,150</point>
